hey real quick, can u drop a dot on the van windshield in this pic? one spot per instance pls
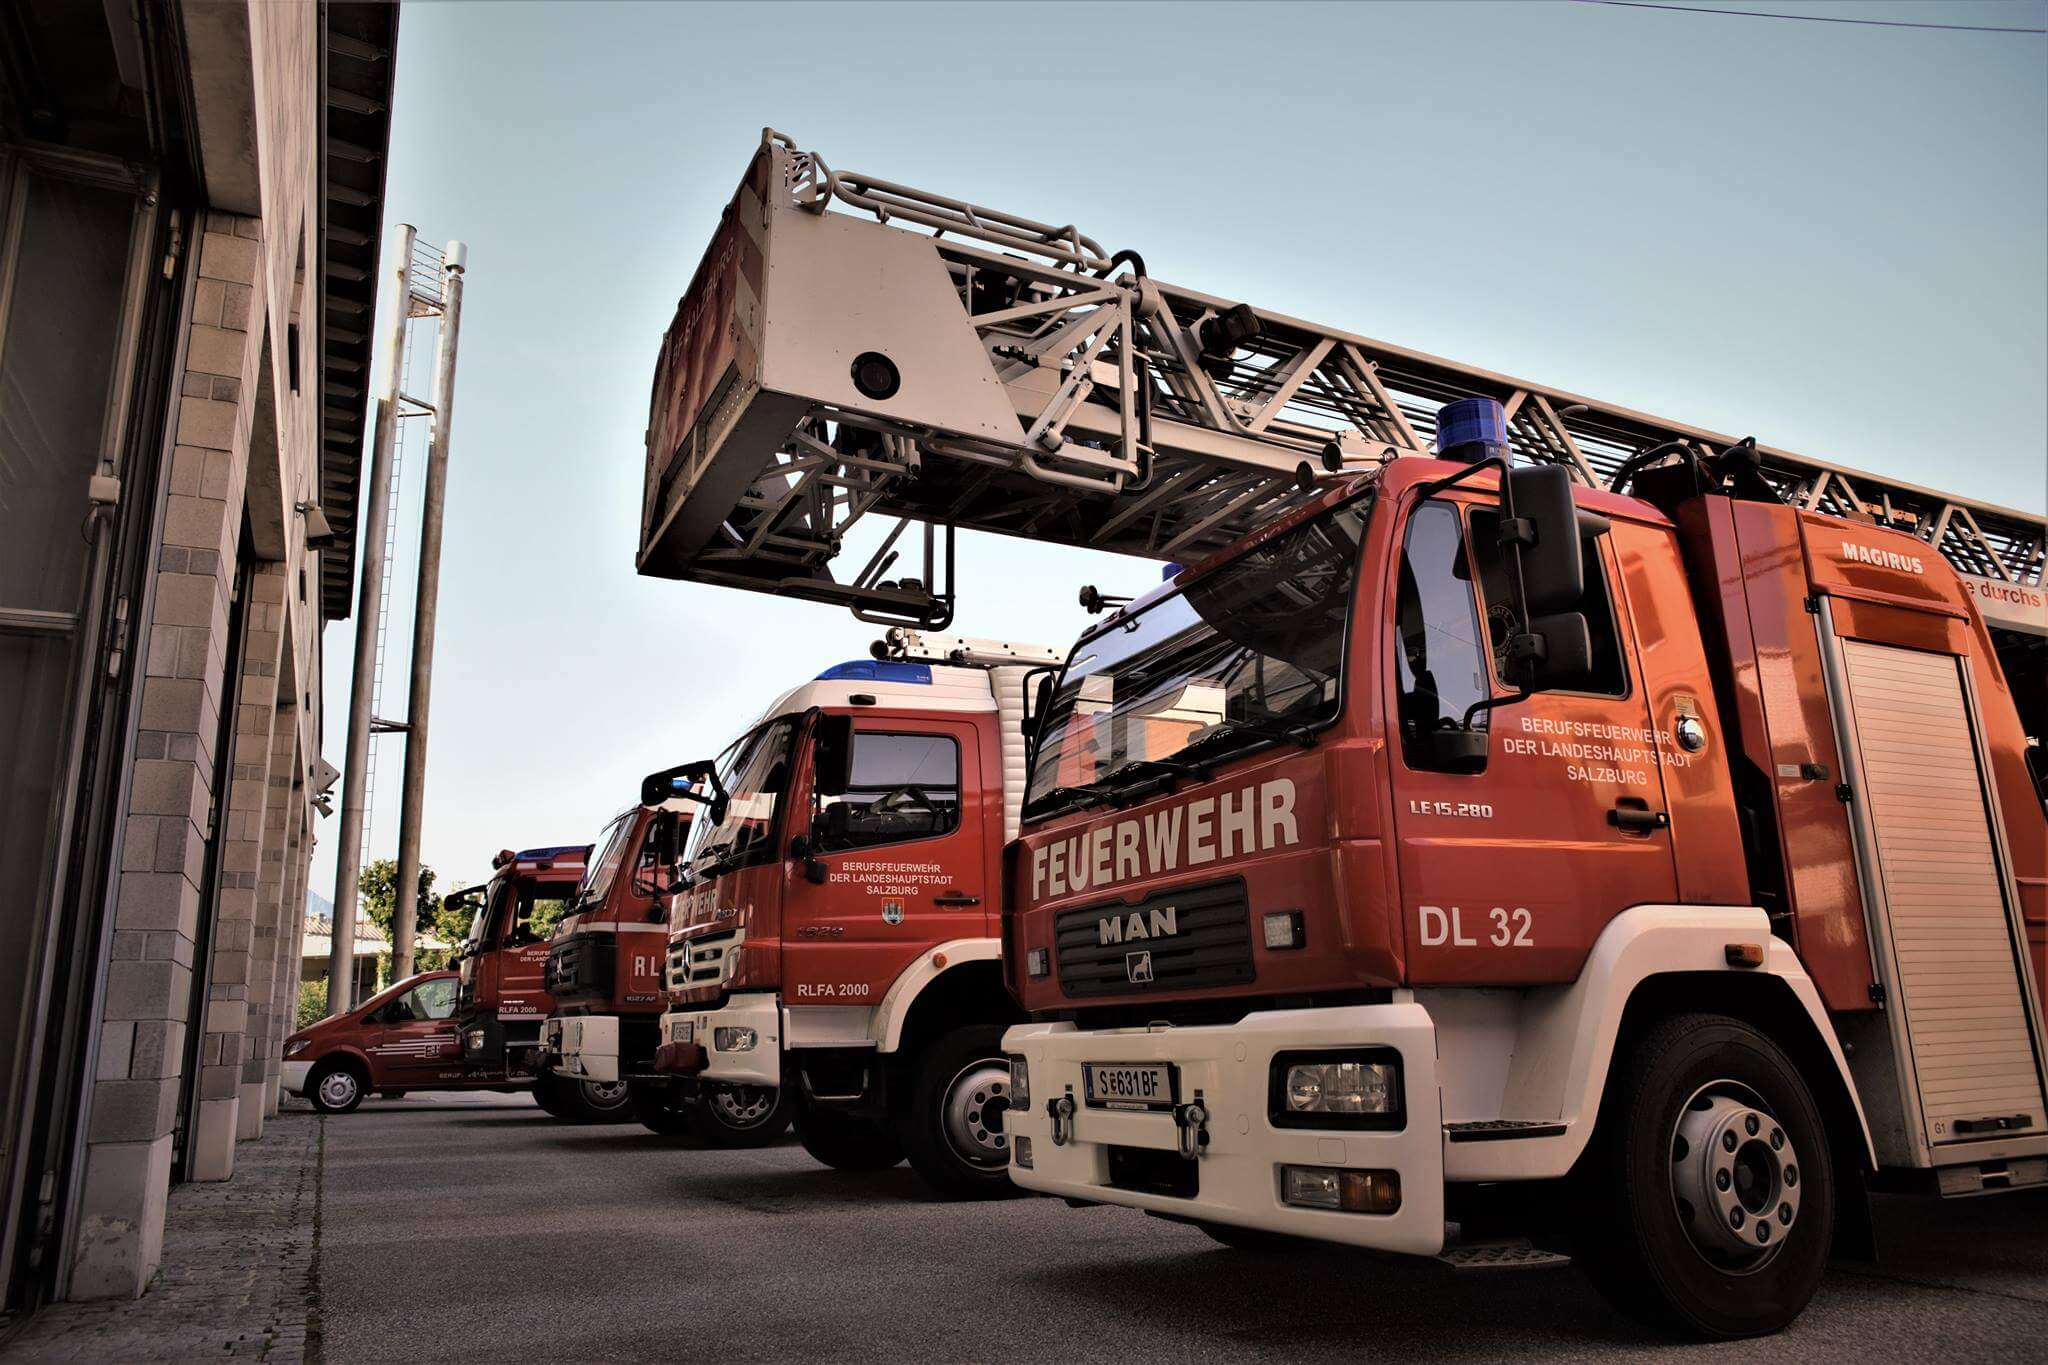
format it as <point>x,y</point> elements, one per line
<point>1247,654</point>
<point>754,774</point>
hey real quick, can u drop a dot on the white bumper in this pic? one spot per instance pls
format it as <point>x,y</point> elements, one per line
<point>585,1046</point>
<point>1238,1171</point>
<point>293,1076</point>
<point>760,1064</point>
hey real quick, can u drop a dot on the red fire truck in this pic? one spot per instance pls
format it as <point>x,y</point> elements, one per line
<point>502,999</point>
<point>605,964</point>
<point>834,953</point>
<point>1612,832</point>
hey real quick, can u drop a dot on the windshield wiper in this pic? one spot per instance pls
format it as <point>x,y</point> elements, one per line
<point>1128,778</point>
<point>1293,732</point>
<point>1068,798</point>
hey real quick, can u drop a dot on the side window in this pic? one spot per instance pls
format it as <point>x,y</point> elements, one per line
<point>434,999</point>
<point>1441,662</point>
<point>1608,676</point>
<point>901,787</point>
<point>541,907</point>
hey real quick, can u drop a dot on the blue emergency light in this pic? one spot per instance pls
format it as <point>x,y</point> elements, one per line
<point>1471,429</point>
<point>878,670</point>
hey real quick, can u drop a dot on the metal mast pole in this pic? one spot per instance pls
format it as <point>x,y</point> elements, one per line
<point>341,963</point>
<point>423,621</point>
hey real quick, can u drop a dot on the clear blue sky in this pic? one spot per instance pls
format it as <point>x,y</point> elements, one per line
<point>1834,237</point>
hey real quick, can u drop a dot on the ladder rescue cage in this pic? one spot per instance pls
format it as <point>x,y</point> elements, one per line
<point>851,347</point>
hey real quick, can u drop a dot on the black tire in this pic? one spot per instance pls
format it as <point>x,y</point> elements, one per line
<point>847,1143</point>
<point>338,1087</point>
<point>741,1116</point>
<point>600,1101</point>
<point>652,1104</point>
<point>1254,1239</point>
<point>553,1096</point>
<point>1705,1222</point>
<point>952,1130</point>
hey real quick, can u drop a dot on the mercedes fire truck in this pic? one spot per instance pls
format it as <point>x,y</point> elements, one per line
<point>500,998</point>
<point>1529,827</point>
<point>605,964</point>
<point>834,953</point>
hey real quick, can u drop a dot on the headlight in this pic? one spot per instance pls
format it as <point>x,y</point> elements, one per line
<point>733,1039</point>
<point>295,1047</point>
<point>1336,1090</point>
<point>1020,1085</point>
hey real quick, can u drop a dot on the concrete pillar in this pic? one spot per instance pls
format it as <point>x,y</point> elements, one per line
<point>282,790</point>
<point>157,897</point>
<point>284,1004</point>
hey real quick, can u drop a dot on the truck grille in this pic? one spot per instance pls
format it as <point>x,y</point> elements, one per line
<point>703,961</point>
<point>1210,943</point>
<point>580,964</point>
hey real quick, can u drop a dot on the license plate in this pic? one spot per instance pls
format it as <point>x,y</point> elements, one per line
<point>1128,1085</point>
<point>682,1032</point>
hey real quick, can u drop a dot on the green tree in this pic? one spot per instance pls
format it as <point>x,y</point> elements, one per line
<point>377,893</point>
<point>312,1002</point>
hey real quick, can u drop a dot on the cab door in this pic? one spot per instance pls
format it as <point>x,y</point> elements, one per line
<point>418,1048</point>
<point>1508,874</point>
<point>905,855</point>
<point>532,910</point>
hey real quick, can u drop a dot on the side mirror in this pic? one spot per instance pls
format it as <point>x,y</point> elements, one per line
<point>662,839</point>
<point>804,851</point>
<point>1545,529</point>
<point>1459,749</point>
<point>836,820</point>
<point>832,757</point>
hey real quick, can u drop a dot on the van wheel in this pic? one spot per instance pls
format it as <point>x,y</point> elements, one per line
<point>338,1086</point>
<point>953,1129</point>
<point>657,1110</point>
<point>1711,1183</point>
<point>741,1115</point>
<point>847,1143</point>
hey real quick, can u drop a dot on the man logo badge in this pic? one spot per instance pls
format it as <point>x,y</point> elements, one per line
<point>1138,967</point>
<point>892,912</point>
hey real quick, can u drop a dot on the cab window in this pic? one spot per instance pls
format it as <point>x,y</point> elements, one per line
<point>902,786</point>
<point>427,1001</point>
<point>1439,659</point>
<point>541,907</point>
<point>1607,677</point>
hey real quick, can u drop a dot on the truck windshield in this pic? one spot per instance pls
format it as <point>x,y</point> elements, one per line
<point>753,773</point>
<point>604,868</point>
<point>1247,654</point>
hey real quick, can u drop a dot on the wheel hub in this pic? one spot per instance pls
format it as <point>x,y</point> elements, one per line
<point>605,1094</point>
<point>1734,1178</point>
<point>742,1106</point>
<point>338,1087</point>
<point>973,1114</point>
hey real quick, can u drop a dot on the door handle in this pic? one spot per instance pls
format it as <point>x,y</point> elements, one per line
<point>1633,817</point>
<point>956,898</point>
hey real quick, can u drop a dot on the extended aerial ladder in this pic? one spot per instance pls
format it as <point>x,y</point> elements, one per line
<point>851,347</point>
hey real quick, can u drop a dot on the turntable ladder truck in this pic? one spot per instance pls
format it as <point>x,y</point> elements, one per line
<point>835,951</point>
<point>1599,830</point>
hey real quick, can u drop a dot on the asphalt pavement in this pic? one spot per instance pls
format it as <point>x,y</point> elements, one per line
<point>476,1228</point>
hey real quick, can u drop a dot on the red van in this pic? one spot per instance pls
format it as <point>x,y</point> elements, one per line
<point>400,1039</point>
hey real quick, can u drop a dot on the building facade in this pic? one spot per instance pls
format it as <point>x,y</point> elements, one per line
<point>192,196</point>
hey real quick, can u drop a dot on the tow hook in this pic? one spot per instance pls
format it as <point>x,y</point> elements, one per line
<point>1061,1112</point>
<point>1192,1123</point>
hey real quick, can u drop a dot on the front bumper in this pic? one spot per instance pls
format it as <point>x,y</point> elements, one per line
<point>1237,1174</point>
<point>293,1075</point>
<point>698,1054</point>
<point>585,1046</point>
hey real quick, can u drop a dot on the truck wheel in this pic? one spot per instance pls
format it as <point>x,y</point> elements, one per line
<point>652,1104</point>
<point>552,1095</point>
<point>1712,1186</point>
<point>338,1086</point>
<point>847,1143</point>
<point>953,1129</point>
<point>600,1101</point>
<point>741,1115</point>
